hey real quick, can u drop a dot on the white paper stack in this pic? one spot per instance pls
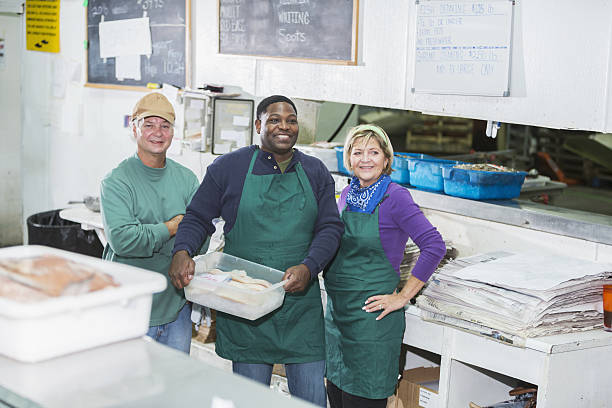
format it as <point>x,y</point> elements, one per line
<point>411,255</point>
<point>515,296</point>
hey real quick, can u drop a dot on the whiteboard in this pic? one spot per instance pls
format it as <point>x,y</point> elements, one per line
<point>463,47</point>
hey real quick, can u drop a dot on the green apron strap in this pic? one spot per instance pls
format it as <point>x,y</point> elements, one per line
<point>252,164</point>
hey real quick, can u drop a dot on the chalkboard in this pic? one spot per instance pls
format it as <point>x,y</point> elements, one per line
<point>169,32</point>
<point>305,29</point>
<point>463,47</point>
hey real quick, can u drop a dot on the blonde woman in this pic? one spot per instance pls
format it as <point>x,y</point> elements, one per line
<point>364,323</point>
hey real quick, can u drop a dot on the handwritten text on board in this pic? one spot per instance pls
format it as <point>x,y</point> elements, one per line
<point>317,29</point>
<point>463,47</point>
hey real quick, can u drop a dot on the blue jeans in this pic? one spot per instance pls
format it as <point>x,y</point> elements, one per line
<point>176,334</point>
<point>305,380</point>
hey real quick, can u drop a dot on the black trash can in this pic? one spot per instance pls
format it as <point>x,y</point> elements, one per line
<point>48,228</point>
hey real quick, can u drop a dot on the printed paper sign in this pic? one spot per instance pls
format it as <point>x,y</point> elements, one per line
<point>114,33</point>
<point>42,25</point>
<point>127,66</point>
<point>241,121</point>
<point>428,399</point>
<point>236,135</point>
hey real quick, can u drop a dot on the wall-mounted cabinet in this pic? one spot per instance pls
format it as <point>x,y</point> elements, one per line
<point>194,123</point>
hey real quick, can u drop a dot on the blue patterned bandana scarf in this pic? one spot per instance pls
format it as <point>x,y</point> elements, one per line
<point>367,198</point>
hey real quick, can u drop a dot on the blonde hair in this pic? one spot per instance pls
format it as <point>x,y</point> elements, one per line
<point>368,132</point>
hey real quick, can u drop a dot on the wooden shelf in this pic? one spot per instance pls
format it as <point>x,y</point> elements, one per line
<point>427,133</point>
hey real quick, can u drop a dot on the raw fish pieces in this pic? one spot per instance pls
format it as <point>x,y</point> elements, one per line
<point>49,275</point>
<point>242,280</point>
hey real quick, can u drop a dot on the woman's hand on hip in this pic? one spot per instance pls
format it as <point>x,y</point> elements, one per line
<point>385,304</point>
<point>389,303</point>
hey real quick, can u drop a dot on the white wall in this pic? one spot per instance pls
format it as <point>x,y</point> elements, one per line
<point>10,131</point>
<point>561,72</point>
<point>560,77</point>
<point>73,135</point>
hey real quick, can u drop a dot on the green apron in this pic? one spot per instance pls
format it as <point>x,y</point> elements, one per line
<point>362,352</point>
<point>274,227</point>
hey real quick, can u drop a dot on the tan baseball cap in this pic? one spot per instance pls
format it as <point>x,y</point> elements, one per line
<point>153,104</point>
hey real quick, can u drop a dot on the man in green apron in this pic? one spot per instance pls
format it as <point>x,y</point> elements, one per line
<point>280,211</point>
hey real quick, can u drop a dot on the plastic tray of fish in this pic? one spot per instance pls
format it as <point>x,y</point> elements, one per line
<point>219,283</point>
<point>38,326</point>
<point>482,184</point>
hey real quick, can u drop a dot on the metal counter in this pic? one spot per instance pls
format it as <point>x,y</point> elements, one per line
<point>523,213</point>
<point>133,373</point>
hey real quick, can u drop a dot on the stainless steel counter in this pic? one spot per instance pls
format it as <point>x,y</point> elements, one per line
<point>519,212</point>
<point>133,373</point>
<point>527,214</point>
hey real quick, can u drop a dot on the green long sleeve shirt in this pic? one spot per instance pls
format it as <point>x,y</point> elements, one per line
<point>136,200</point>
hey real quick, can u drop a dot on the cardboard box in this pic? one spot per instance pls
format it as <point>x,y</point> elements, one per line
<point>417,389</point>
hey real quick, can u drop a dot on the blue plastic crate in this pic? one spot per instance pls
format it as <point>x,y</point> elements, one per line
<point>401,175</point>
<point>426,173</point>
<point>482,185</point>
<point>340,158</point>
<point>400,172</point>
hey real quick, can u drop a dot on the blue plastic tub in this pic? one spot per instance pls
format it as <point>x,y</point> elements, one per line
<point>401,175</point>
<point>340,158</point>
<point>426,173</point>
<point>482,185</point>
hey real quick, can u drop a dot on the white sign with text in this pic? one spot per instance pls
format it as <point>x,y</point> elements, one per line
<point>463,47</point>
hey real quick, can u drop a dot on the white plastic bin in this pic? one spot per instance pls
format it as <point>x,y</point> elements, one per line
<point>248,304</point>
<point>37,331</point>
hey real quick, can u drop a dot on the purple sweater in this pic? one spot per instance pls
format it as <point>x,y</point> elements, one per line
<point>399,218</point>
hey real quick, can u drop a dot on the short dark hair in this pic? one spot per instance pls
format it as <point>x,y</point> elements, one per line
<point>263,105</point>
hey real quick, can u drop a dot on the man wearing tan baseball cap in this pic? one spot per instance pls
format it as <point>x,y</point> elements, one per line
<point>143,201</point>
<point>154,104</point>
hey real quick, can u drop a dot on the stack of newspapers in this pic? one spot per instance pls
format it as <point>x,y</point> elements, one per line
<point>515,296</point>
<point>411,255</point>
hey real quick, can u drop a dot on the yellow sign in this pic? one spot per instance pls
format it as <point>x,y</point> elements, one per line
<point>42,25</point>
